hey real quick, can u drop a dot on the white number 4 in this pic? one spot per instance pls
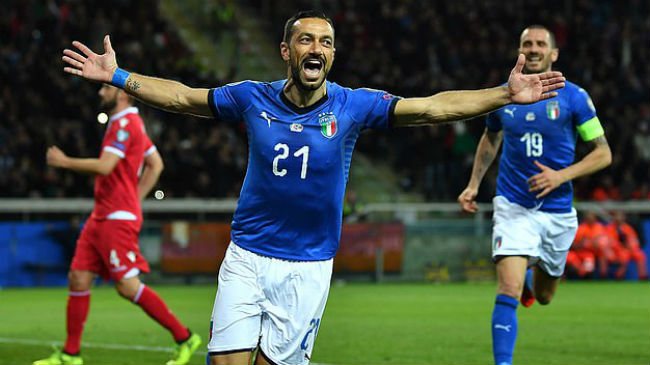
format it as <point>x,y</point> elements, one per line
<point>284,153</point>
<point>113,259</point>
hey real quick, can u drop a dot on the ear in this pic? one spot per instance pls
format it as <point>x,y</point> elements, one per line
<point>555,53</point>
<point>284,51</point>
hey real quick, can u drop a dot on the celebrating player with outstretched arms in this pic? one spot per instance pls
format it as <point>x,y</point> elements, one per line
<point>274,280</point>
<point>534,222</point>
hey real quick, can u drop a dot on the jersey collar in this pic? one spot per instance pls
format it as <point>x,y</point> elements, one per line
<point>306,109</point>
<point>129,110</point>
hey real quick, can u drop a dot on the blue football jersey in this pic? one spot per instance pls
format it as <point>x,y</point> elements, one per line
<point>291,202</point>
<point>544,131</point>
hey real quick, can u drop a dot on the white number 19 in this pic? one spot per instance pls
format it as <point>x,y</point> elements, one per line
<point>534,144</point>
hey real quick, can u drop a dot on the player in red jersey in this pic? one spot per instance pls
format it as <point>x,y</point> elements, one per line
<point>108,244</point>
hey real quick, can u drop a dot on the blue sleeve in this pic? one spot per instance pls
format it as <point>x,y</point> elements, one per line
<point>373,108</point>
<point>583,107</point>
<point>493,122</point>
<point>229,102</point>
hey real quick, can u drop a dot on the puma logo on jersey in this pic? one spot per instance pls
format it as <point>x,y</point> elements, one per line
<point>268,118</point>
<point>502,327</point>
<point>510,112</point>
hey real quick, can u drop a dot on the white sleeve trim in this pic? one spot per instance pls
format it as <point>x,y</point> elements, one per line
<point>114,151</point>
<point>122,215</point>
<point>149,151</point>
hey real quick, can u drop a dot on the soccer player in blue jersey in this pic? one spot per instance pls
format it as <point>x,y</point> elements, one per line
<point>274,280</point>
<point>534,221</point>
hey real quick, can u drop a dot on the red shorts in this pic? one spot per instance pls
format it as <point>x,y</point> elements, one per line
<point>109,248</point>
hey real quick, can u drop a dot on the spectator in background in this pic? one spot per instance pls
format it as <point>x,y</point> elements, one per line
<point>626,242</point>
<point>593,237</point>
<point>605,51</point>
<point>581,261</point>
<point>352,207</point>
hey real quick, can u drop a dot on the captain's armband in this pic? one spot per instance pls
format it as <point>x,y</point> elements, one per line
<point>591,129</point>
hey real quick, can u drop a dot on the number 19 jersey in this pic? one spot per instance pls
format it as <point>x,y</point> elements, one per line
<point>544,131</point>
<point>291,202</point>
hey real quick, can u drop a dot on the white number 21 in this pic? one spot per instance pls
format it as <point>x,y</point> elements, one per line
<point>284,153</point>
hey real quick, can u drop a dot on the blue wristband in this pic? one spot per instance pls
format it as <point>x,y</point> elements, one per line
<point>119,78</point>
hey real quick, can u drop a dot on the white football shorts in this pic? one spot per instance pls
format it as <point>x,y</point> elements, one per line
<point>275,303</point>
<point>542,236</point>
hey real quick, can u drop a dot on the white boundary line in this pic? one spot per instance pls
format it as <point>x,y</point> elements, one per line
<point>110,346</point>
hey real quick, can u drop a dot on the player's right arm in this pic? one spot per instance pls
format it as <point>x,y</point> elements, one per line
<point>161,93</point>
<point>487,149</point>
<point>103,165</point>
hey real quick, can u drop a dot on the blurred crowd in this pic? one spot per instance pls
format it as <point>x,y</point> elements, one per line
<point>409,48</point>
<point>41,105</point>
<point>417,48</point>
<point>605,249</point>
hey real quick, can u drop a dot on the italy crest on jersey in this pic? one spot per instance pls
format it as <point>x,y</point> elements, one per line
<point>328,124</point>
<point>553,110</point>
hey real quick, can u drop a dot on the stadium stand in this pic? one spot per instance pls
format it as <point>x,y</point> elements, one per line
<point>407,47</point>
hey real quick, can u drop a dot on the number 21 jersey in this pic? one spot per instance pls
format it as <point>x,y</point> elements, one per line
<point>291,202</point>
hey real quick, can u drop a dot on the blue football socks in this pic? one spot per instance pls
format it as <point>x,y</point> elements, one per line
<point>504,329</point>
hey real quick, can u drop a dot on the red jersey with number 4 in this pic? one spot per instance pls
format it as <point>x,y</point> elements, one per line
<point>116,195</point>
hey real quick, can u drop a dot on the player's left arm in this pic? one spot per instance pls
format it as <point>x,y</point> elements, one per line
<point>548,179</point>
<point>153,166</point>
<point>103,165</point>
<point>452,106</point>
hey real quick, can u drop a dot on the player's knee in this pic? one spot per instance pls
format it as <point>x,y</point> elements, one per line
<point>127,289</point>
<point>79,281</point>
<point>511,289</point>
<point>544,298</point>
<point>125,292</point>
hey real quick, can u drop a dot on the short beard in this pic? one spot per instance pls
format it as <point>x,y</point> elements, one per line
<point>108,105</point>
<point>295,74</point>
<point>547,67</point>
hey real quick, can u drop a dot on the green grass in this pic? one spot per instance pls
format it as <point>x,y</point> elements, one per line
<point>588,323</point>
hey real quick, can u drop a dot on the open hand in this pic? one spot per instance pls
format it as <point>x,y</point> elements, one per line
<point>90,65</point>
<point>55,157</point>
<point>531,88</point>
<point>546,181</point>
<point>467,200</point>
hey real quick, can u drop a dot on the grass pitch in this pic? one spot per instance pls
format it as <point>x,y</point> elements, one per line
<point>588,323</point>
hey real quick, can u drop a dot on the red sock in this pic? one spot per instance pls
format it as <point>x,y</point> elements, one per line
<point>156,308</point>
<point>76,314</point>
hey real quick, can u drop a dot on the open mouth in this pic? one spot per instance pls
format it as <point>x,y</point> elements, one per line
<point>534,58</point>
<point>312,68</point>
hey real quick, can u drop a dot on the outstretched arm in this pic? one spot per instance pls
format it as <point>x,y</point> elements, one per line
<point>548,179</point>
<point>164,94</point>
<point>486,151</point>
<point>153,166</point>
<point>102,165</point>
<point>451,106</point>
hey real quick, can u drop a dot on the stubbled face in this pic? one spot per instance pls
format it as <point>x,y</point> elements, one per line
<point>536,45</point>
<point>108,97</point>
<point>310,52</point>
